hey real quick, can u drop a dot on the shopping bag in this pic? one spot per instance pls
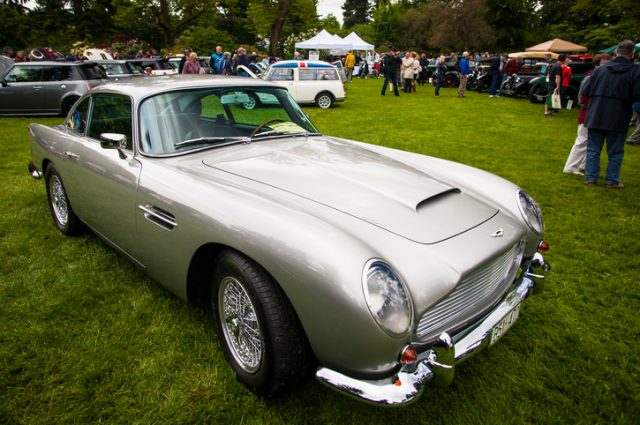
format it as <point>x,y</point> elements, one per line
<point>555,100</point>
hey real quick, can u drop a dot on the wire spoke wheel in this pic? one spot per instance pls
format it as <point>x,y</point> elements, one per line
<point>59,200</point>
<point>240,324</point>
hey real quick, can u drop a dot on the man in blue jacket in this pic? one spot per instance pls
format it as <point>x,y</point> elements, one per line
<point>465,70</point>
<point>216,60</point>
<point>611,90</point>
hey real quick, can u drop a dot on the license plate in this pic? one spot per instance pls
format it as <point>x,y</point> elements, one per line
<point>503,325</point>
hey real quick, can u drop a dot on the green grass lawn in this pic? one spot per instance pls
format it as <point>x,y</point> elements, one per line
<point>88,338</point>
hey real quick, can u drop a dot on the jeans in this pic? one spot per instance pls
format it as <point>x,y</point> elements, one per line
<point>393,77</point>
<point>439,81</point>
<point>493,88</point>
<point>615,153</point>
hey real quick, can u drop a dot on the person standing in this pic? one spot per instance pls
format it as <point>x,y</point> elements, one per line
<point>612,89</point>
<point>554,83</point>
<point>441,69</point>
<point>578,156</point>
<point>407,73</point>
<point>349,64</point>
<point>216,60</point>
<point>391,68</point>
<point>191,66</point>
<point>495,72</point>
<point>566,80</point>
<point>634,139</point>
<point>465,70</point>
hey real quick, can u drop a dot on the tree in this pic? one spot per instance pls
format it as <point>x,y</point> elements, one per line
<point>330,23</point>
<point>513,22</point>
<point>355,12</point>
<point>459,24</point>
<point>270,16</point>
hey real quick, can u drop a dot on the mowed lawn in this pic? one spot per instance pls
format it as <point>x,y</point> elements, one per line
<point>85,337</point>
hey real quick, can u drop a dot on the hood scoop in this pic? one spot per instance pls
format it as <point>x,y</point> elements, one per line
<point>380,190</point>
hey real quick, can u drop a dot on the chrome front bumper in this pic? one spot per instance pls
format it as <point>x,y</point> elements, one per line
<point>438,362</point>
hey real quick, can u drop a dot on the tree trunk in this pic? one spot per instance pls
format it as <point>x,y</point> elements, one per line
<point>278,25</point>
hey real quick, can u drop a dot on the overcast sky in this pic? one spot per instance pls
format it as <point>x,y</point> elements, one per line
<point>326,7</point>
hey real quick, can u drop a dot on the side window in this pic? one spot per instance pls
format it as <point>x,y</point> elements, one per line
<point>307,74</point>
<point>111,114</point>
<point>78,120</point>
<point>281,74</point>
<point>24,74</point>
<point>57,73</point>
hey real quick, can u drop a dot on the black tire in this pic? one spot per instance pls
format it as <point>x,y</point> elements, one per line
<point>537,90</point>
<point>264,344</point>
<point>324,100</point>
<point>472,83</point>
<point>450,80</point>
<point>483,85</point>
<point>63,216</point>
<point>67,105</point>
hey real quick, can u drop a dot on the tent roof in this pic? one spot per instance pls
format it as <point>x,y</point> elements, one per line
<point>615,46</point>
<point>324,40</point>
<point>357,42</point>
<point>533,55</point>
<point>557,45</point>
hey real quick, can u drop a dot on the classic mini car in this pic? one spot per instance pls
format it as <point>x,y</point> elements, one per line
<point>376,269</point>
<point>308,81</point>
<point>118,69</point>
<point>46,88</point>
<point>159,66</point>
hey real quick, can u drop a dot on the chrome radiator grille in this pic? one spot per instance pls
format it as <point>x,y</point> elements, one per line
<point>476,293</point>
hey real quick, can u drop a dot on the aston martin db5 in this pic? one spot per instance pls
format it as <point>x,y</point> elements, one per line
<point>374,269</point>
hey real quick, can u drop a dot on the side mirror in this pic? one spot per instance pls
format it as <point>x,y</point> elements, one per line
<point>4,83</point>
<point>114,141</point>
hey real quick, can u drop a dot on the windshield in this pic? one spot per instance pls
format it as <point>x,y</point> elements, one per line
<point>185,120</point>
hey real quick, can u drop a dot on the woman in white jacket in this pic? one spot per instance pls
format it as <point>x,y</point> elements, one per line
<point>407,71</point>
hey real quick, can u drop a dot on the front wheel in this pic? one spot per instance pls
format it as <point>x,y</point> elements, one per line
<point>258,330</point>
<point>537,93</point>
<point>63,216</point>
<point>324,100</point>
<point>450,80</point>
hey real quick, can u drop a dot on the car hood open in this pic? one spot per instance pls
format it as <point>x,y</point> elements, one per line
<point>356,181</point>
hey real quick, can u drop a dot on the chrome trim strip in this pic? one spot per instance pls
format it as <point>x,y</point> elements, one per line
<point>34,171</point>
<point>157,217</point>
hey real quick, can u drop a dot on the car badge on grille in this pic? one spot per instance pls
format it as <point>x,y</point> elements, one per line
<point>497,234</point>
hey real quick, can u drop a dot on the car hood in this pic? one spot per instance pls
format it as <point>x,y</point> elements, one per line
<point>358,182</point>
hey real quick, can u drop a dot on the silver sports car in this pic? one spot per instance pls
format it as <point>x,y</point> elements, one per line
<point>375,269</point>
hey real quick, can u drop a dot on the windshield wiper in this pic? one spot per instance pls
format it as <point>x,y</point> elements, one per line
<point>284,133</point>
<point>207,140</point>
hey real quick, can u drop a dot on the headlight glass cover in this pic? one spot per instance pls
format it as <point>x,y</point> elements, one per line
<point>387,298</point>
<point>530,212</point>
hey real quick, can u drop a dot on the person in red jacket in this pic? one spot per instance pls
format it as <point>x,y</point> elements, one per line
<point>566,80</point>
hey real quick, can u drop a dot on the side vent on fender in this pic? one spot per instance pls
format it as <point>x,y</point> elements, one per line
<point>159,216</point>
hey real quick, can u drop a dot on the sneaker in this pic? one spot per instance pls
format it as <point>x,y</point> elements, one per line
<point>615,185</point>
<point>590,183</point>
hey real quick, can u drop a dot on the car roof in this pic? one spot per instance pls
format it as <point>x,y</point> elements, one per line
<point>142,87</point>
<point>301,64</point>
<point>56,63</point>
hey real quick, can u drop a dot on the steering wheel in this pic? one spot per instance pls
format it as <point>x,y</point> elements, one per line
<point>264,124</point>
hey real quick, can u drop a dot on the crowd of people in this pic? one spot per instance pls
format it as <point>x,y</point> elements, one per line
<point>608,95</point>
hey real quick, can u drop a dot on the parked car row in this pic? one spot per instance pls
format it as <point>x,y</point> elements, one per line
<point>51,88</point>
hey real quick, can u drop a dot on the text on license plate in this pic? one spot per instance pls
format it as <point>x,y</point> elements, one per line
<point>504,324</point>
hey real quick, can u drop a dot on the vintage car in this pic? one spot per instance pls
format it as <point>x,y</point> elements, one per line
<point>538,90</point>
<point>46,87</point>
<point>376,269</point>
<point>159,66</point>
<point>309,82</point>
<point>118,69</point>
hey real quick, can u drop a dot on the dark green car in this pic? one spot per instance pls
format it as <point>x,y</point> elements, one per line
<point>538,91</point>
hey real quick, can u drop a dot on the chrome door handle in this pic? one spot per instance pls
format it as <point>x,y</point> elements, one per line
<point>71,155</point>
<point>63,86</point>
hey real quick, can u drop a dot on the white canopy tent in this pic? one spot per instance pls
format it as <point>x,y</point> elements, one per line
<point>324,40</point>
<point>357,43</point>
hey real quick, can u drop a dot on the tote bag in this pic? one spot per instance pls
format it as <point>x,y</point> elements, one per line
<point>555,100</point>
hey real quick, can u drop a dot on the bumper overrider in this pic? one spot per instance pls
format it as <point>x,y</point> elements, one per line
<point>438,362</point>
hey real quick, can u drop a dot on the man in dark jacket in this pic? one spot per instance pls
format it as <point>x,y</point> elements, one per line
<point>611,90</point>
<point>391,68</point>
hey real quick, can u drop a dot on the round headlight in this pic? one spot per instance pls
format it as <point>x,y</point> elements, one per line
<point>530,212</point>
<point>387,298</point>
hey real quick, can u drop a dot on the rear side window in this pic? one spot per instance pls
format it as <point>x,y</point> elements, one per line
<point>24,74</point>
<point>111,114</point>
<point>92,72</point>
<point>57,73</point>
<point>312,74</point>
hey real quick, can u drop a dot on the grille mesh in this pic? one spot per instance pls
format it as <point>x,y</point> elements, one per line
<point>476,293</point>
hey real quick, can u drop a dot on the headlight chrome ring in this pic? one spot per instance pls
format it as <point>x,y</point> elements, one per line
<point>387,298</point>
<point>530,212</point>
